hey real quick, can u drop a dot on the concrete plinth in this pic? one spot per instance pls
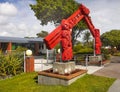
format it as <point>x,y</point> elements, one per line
<point>63,68</point>
<point>49,78</point>
<point>60,74</point>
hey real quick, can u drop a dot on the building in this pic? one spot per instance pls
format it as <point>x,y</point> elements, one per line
<point>11,43</point>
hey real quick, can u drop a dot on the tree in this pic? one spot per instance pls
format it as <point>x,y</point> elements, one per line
<point>42,34</point>
<point>56,10</point>
<point>87,37</point>
<point>111,38</point>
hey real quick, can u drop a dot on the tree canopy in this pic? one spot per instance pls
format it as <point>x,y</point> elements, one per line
<point>87,36</point>
<point>111,38</point>
<point>53,10</point>
<point>42,34</point>
<point>56,10</point>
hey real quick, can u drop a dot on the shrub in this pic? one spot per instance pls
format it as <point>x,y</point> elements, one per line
<point>21,49</point>
<point>106,56</point>
<point>85,51</point>
<point>106,53</point>
<point>77,47</point>
<point>117,54</point>
<point>3,65</point>
<point>80,49</point>
<point>11,63</point>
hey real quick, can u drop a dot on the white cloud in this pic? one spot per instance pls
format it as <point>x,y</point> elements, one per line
<point>17,19</point>
<point>104,13</point>
<point>22,23</point>
<point>7,9</point>
<point>22,27</point>
<point>3,19</point>
<point>4,33</point>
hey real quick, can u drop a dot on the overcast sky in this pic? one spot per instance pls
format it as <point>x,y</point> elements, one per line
<point>18,20</point>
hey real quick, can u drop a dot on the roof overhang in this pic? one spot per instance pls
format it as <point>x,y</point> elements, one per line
<point>20,40</point>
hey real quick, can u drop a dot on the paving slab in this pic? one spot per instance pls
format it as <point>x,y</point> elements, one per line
<point>115,87</point>
<point>91,68</point>
<point>115,59</point>
<point>112,70</point>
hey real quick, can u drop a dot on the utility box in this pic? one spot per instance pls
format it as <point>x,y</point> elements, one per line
<point>29,64</point>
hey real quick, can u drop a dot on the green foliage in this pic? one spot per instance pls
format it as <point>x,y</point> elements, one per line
<point>3,65</point>
<point>106,56</point>
<point>117,54</point>
<point>106,53</point>
<point>53,10</point>
<point>80,59</point>
<point>87,36</point>
<point>56,10</point>
<point>85,51</point>
<point>42,34</point>
<point>21,49</point>
<point>26,82</point>
<point>111,38</point>
<point>77,47</point>
<point>81,49</point>
<point>57,47</point>
<point>11,63</point>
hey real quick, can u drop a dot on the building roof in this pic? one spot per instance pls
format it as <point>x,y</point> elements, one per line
<point>35,39</point>
<point>20,40</point>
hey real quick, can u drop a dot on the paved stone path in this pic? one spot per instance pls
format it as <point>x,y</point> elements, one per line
<point>115,86</point>
<point>112,70</point>
<point>115,59</point>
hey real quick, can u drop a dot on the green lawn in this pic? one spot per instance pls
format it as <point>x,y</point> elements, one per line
<point>28,83</point>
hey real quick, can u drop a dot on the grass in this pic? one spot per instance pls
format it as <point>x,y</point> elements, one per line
<point>27,82</point>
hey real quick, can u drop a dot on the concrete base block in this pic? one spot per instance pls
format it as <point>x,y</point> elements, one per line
<point>63,68</point>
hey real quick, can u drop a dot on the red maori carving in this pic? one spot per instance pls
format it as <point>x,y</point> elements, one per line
<point>63,33</point>
<point>66,45</point>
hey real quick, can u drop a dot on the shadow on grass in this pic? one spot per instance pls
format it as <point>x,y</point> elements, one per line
<point>36,79</point>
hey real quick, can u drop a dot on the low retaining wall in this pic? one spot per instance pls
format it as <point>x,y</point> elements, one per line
<point>47,78</point>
